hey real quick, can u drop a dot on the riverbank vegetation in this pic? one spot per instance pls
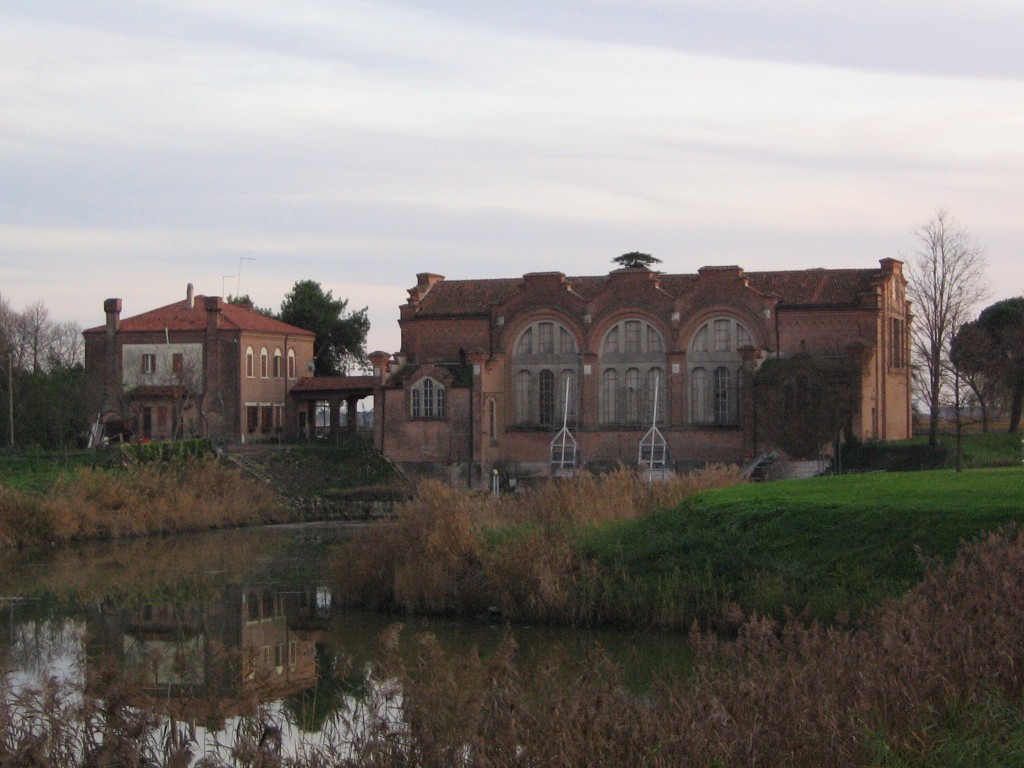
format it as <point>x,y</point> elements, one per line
<point>81,500</point>
<point>930,679</point>
<point>590,551</point>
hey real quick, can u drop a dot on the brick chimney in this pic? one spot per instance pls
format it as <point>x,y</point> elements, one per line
<point>190,300</point>
<point>112,308</point>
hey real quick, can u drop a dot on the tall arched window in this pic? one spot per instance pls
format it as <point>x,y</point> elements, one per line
<point>277,363</point>
<point>291,363</point>
<point>524,397</point>
<point>609,395</point>
<point>567,389</point>
<point>263,363</point>
<point>714,367</point>
<point>547,397</point>
<point>250,370</point>
<point>543,351</point>
<point>632,359</point>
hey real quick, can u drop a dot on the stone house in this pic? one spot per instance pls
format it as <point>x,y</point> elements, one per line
<point>714,366</point>
<point>197,367</point>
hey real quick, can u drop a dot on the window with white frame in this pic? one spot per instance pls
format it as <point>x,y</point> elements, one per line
<point>250,370</point>
<point>264,368</point>
<point>543,361</point>
<point>277,363</point>
<point>427,399</point>
<point>715,371</point>
<point>632,361</point>
<point>291,363</point>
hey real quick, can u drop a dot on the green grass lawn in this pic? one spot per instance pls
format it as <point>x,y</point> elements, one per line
<point>825,546</point>
<point>36,473</point>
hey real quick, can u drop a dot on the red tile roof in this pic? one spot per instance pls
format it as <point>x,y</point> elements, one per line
<point>180,317</point>
<point>335,384</point>
<point>809,287</point>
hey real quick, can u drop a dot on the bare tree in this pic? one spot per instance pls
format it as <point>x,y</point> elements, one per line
<point>33,336</point>
<point>945,274</point>
<point>66,347</point>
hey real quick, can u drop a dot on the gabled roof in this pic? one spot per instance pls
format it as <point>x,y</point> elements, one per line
<point>180,317</point>
<point>794,288</point>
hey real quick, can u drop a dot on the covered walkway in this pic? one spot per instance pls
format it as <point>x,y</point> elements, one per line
<point>333,390</point>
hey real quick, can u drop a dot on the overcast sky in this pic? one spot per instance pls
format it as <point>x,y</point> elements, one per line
<point>247,144</point>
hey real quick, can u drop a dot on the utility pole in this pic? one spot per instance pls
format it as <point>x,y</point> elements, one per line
<point>10,395</point>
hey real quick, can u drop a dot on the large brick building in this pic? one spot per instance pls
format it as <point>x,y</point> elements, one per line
<point>734,363</point>
<point>197,367</point>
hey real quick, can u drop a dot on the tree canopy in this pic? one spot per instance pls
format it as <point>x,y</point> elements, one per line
<point>636,260</point>
<point>992,348</point>
<point>340,341</point>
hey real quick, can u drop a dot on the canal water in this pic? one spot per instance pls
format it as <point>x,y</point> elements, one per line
<point>214,629</point>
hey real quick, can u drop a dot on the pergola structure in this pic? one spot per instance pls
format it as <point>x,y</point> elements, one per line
<point>306,393</point>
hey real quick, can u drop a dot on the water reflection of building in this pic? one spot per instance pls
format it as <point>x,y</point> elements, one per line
<point>211,658</point>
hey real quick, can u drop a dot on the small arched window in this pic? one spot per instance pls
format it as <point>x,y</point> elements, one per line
<point>277,363</point>
<point>427,400</point>
<point>263,363</point>
<point>250,369</point>
<point>291,363</point>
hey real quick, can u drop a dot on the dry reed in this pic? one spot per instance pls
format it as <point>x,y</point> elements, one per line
<point>934,678</point>
<point>456,551</point>
<point>158,497</point>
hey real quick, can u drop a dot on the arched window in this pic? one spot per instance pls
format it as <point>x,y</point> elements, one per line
<point>700,404</point>
<point>715,366</point>
<point>524,397</point>
<point>250,370</point>
<point>567,388</point>
<point>427,400</point>
<point>277,363</point>
<point>632,361</point>
<point>543,351</point>
<point>291,363</point>
<point>547,397</point>
<point>633,395</point>
<point>609,394</point>
<point>263,363</point>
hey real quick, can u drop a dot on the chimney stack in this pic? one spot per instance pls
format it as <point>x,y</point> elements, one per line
<point>112,307</point>
<point>190,301</point>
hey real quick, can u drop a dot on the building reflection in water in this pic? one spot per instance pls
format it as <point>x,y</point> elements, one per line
<point>210,659</point>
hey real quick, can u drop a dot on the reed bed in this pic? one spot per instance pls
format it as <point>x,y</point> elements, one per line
<point>465,553</point>
<point>158,497</point>
<point>934,678</point>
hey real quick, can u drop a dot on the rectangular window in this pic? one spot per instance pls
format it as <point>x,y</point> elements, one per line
<point>161,417</point>
<point>546,338</point>
<point>632,337</point>
<point>653,339</point>
<point>292,654</point>
<point>266,417</point>
<point>149,363</point>
<point>896,352</point>
<point>611,341</point>
<point>177,362</point>
<point>252,418</point>
<point>567,345</point>
<point>278,416</point>
<point>722,336</point>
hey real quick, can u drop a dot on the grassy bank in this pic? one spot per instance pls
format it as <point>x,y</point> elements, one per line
<point>598,551</point>
<point>825,547</point>
<point>43,502</point>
